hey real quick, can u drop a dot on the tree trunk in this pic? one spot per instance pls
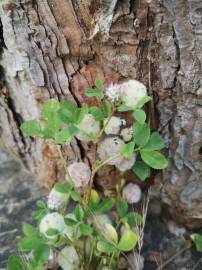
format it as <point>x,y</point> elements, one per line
<point>56,48</point>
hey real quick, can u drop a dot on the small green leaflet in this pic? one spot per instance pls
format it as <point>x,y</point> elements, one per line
<point>16,263</point>
<point>99,85</point>
<point>96,92</point>
<point>106,205</point>
<point>79,213</point>
<point>65,135</point>
<point>128,241</point>
<point>141,133</point>
<point>105,247</point>
<point>67,111</point>
<point>122,207</point>
<point>127,149</point>
<point>133,219</point>
<point>140,116</point>
<point>197,239</point>
<point>143,101</point>
<point>142,170</point>
<point>125,108</point>
<point>31,128</point>
<point>29,230</point>
<point>85,229</point>
<point>106,108</point>
<point>154,159</point>
<point>52,232</point>
<point>41,204</point>
<point>97,113</point>
<point>155,142</point>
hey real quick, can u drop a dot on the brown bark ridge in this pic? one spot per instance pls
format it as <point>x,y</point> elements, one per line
<point>56,48</point>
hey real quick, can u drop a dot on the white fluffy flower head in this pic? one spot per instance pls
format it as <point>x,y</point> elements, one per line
<point>80,173</point>
<point>89,128</point>
<point>56,199</point>
<point>113,92</point>
<point>131,92</point>
<point>110,147</point>
<point>126,164</point>
<point>132,193</point>
<point>52,221</point>
<point>127,134</point>
<point>114,124</point>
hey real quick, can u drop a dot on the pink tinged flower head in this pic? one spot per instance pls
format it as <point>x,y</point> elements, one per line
<point>80,173</point>
<point>132,193</point>
<point>113,92</point>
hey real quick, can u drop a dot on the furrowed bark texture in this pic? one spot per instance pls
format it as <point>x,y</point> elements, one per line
<point>56,48</point>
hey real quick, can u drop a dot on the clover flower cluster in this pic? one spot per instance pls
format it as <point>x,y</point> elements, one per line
<point>111,134</point>
<point>129,92</point>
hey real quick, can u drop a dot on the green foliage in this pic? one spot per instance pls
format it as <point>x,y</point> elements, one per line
<point>96,92</point>
<point>127,150</point>
<point>128,241</point>
<point>16,263</point>
<point>122,207</point>
<point>154,159</point>
<point>197,239</point>
<point>97,113</point>
<point>141,133</point>
<point>155,142</point>
<point>106,205</point>
<point>79,213</point>
<point>140,116</point>
<point>90,228</point>
<point>142,170</point>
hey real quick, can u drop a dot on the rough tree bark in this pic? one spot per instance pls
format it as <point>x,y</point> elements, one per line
<point>56,48</point>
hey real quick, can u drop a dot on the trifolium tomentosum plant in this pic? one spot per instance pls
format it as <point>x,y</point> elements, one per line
<point>90,236</point>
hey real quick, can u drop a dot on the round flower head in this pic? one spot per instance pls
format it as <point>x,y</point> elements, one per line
<point>113,126</point>
<point>89,128</point>
<point>68,258</point>
<point>131,92</point>
<point>113,92</point>
<point>80,173</point>
<point>136,261</point>
<point>110,147</point>
<point>132,193</point>
<point>52,221</point>
<point>127,134</point>
<point>56,199</point>
<point>126,164</point>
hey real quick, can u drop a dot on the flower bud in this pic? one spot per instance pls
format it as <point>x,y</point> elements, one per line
<point>80,173</point>
<point>132,193</point>
<point>68,258</point>
<point>131,92</point>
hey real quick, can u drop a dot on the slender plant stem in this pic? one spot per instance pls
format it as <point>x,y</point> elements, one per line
<point>66,170</point>
<point>106,123</point>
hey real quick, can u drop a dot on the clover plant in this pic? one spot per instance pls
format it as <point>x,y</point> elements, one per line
<point>78,227</point>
